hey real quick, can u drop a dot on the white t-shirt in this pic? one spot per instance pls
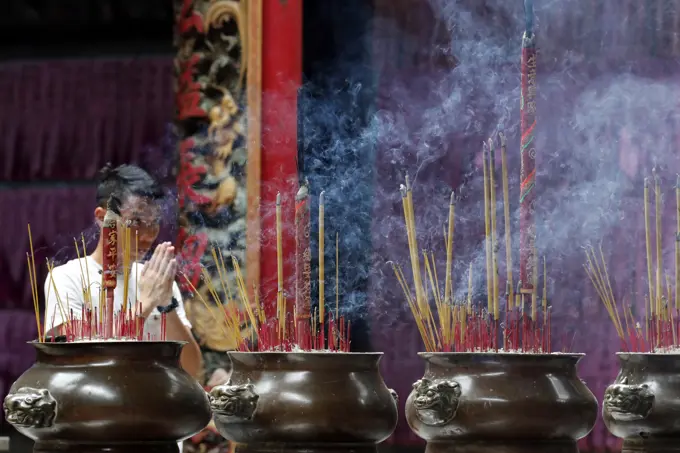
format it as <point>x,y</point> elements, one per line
<point>69,279</point>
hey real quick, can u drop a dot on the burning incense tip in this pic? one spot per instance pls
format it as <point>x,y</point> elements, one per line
<point>408,183</point>
<point>278,199</point>
<point>321,197</point>
<point>677,182</point>
<point>402,189</point>
<point>452,201</point>
<point>646,182</point>
<point>302,193</point>
<point>501,136</point>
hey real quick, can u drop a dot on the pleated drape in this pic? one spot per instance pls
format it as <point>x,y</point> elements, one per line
<point>60,122</point>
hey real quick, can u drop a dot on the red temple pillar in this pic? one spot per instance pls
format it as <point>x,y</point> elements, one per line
<point>280,33</point>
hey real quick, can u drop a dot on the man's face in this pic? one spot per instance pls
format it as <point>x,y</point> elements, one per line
<point>138,227</point>
<point>140,221</point>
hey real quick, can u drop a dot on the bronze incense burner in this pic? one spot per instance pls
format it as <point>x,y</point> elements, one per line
<point>642,405</point>
<point>304,401</point>
<point>109,396</point>
<point>501,403</point>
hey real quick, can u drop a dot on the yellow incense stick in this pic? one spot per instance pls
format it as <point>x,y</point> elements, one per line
<point>648,247</point>
<point>677,243</point>
<point>494,229</point>
<point>487,231</point>
<point>127,263</point>
<point>506,218</point>
<point>279,263</point>
<point>337,276</point>
<point>322,258</point>
<point>448,285</point>
<point>469,294</point>
<point>658,233</point>
<point>34,282</point>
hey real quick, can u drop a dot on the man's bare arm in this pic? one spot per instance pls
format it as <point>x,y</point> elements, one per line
<point>191,359</point>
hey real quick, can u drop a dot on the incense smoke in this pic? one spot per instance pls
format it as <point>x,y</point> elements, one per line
<point>601,129</point>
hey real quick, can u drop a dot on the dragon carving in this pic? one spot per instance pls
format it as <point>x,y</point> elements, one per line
<point>627,402</point>
<point>436,401</point>
<point>30,408</point>
<point>234,400</point>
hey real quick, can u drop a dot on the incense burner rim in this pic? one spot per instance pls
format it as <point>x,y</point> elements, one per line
<point>507,354</point>
<point>144,350</point>
<point>305,353</point>
<point>312,359</point>
<point>451,359</point>
<point>100,342</point>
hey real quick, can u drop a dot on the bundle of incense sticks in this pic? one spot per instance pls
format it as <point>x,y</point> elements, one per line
<point>93,323</point>
<point>250,328</point>
<point>659,330</point>
<point>466,325</point>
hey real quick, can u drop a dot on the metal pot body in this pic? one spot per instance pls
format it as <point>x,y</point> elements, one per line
<point>498,402</point>
<point>303,400</point>
<point>642,406</point>
<point>105,396</point>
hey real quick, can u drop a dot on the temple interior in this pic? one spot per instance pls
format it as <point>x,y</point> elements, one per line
<point>365,122</point>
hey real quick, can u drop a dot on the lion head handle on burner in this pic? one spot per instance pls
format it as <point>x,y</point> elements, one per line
<point>30,408</point>
<point>628,402</point>
<point>436,401</point>
<point>237,401</point>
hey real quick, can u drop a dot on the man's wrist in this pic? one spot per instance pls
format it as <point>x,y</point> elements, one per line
<point>172,306</point>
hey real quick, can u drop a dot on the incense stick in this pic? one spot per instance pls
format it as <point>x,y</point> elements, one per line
<point>448,288</point>
<point>494,230</point>
<point>322,258</point>
<point>677,243</point>
<point>280,309</point>
<point>337,276</point>
<point>487,230</point>
<point>506,218</point>
<point>127,249</point>
<point>658,233</point>
<point>32,276</point>
<point>648,246</point>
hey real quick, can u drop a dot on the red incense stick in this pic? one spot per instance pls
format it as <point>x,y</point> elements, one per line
<point>527,238</point>
<point>110,262</point>
<point>303,269</point>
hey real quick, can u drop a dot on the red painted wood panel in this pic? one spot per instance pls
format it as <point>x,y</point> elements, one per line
<point>281,78</point>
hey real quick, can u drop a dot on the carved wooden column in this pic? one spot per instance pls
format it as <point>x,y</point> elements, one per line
<point>233,56</point>
<point>210,67</point>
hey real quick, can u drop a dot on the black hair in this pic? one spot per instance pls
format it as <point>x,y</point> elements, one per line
<point>126,180</point>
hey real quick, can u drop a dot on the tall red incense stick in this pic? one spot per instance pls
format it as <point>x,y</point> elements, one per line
<point>303,268</point>
<point>110,262</point>
<point>527,239</point>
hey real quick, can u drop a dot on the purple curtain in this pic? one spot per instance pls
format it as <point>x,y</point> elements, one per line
<point>60,122</point>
